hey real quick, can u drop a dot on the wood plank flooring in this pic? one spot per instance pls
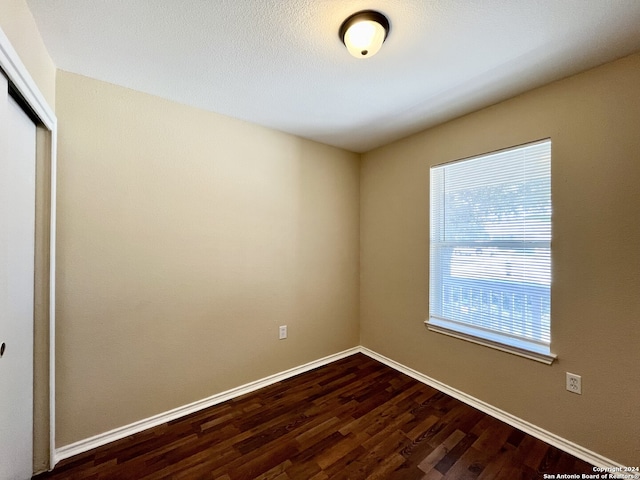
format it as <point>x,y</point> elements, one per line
<point>353,419</point>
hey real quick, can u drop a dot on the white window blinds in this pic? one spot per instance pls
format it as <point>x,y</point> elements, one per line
<point>490,255</point>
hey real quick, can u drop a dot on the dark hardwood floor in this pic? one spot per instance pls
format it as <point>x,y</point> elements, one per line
<point>352,419</point>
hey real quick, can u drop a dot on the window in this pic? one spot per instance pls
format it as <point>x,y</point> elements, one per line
<point>490,250</point>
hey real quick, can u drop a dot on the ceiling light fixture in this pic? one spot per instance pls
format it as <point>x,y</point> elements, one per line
<point>364,32</point>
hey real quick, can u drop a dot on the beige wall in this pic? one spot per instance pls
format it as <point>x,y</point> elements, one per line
<point>18,25</point>
<point>593,121</point>
<point>185,239</point>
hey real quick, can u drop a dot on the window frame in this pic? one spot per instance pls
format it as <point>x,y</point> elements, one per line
<point>534,350</point>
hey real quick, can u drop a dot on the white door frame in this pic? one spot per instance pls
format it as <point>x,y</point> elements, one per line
<point>19,77</point>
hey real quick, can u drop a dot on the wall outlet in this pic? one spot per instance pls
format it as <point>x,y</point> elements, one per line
<point>282,332</point>
<point>574,383</point>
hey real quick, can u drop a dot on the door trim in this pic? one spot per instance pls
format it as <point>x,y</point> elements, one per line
<point>22,82</point>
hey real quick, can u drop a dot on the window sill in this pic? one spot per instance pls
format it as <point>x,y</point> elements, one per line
<point>538,357</point>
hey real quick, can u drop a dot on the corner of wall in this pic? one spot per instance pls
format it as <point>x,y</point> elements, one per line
<point>18,24</point>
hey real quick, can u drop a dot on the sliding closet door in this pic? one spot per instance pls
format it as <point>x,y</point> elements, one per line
<point>17,219</point>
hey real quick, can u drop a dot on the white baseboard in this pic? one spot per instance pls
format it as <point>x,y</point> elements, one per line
<point>90,443</point>
<point>563,444</point>
<point>537,432</point>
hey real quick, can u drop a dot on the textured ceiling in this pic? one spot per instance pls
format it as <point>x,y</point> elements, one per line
<point>280,63</point>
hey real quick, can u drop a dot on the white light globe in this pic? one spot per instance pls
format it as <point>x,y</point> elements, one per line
<point>364,38</point>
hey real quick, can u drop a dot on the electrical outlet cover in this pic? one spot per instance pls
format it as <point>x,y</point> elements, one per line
<point>282,332</point>
<point>574,383</point>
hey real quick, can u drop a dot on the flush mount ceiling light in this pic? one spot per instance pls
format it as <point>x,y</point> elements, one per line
<point>364,32</point>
